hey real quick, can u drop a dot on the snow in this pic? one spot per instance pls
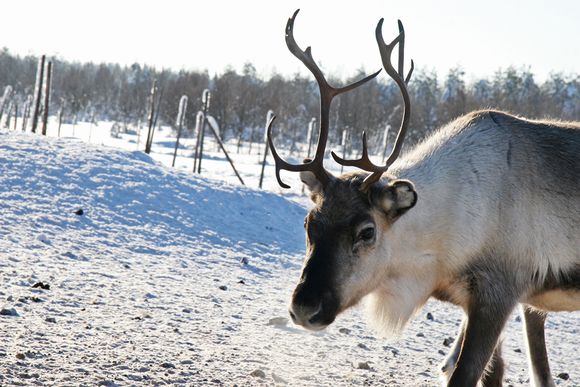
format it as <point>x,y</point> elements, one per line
<point>168,277</point>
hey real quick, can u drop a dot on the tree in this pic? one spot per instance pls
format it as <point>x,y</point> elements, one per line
<point>453,96</point>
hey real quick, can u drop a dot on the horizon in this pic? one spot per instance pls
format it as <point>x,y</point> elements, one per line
<point>468,78</point>
<point>176,36</point>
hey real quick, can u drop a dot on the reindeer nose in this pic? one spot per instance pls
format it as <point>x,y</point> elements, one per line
<point>304,314</point>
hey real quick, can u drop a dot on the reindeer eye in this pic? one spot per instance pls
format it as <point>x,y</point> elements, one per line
<point>366,234</point>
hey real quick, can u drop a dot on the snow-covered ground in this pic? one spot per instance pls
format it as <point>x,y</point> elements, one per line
<point>172,278</point>
<point>214,164</point>
<point>247,159</point>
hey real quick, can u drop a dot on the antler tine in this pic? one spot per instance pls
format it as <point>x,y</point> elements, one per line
<point>363,163</point>
<point>386,50</point>
<point>280,163</point>
<point>304,56</point>
<point>410,72</point>
<point>401,48</point>
<point>402,53</point>
<point>327,93</point>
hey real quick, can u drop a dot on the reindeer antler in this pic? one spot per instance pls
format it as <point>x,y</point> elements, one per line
<point>386,50</point>
<point>327,93</point>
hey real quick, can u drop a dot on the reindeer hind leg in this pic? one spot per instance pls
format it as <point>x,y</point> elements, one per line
<point>451,360</point>
<point>537,353</point>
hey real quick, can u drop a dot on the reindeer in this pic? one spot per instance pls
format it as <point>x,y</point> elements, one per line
<point>484,214</point>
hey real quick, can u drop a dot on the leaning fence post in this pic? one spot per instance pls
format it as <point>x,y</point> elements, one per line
<point>215,130</point>
<point>268,118</point>
<point>5,99</point>
<point>151,115</point>
<point>157,110</point>
<point>9,114</point>
<point>179,122</point>
<point>205,99</point>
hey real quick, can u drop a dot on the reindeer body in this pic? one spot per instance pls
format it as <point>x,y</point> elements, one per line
<point>497,222</point>
<point>484,214</point>
<point>495,190</point>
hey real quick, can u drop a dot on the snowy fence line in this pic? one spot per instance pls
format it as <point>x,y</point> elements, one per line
<point>204,118</point>
<point>34,107</point>
<point>35,113</point>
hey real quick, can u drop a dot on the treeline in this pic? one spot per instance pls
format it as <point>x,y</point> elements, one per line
<point>240,101</point>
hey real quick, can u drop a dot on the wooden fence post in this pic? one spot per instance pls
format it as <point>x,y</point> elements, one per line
<point>199,119</point>
<point>38,92</point>
<point>205,99</point>
<point>385,141</point>
<point>46,97</point>
<point>151,116</point>
<point>180,122</point>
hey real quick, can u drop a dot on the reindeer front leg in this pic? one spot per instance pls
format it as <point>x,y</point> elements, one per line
<point>493,375</point>
<point>491,303</point>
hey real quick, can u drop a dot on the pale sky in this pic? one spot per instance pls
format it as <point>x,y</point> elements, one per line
<point>480,36</point>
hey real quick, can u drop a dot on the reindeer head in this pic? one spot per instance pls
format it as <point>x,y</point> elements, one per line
<point>347,230</point>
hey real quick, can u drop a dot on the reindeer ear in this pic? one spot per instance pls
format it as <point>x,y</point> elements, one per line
<point>396,198</point>
<point>311,181</point>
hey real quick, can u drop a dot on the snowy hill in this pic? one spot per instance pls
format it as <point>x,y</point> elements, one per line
<point>132,203</point>
<point>169,278</point>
